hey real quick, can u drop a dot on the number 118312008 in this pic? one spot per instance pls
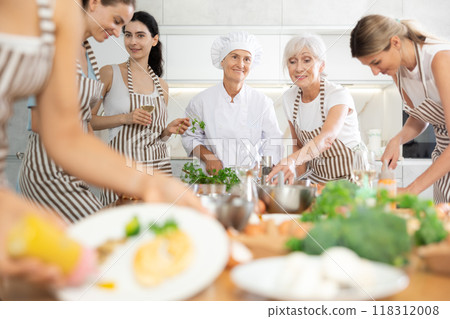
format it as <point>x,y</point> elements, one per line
<point>405,310</point>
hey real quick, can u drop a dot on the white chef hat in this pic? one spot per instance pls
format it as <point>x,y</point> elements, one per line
<point>239,40</point>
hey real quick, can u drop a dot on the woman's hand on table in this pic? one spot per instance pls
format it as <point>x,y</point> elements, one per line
<point>162,188</point>
<point>138,116</point>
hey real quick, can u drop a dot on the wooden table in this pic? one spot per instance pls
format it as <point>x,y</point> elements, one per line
<point>423,286</point>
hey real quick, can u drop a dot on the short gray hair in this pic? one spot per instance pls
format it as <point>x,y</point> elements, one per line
<point>313,42</point>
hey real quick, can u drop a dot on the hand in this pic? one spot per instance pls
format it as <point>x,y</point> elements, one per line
<point>12,209</point>
<point>178,126</point>
<point>287,166</point>
<point>391,153</point>
<point>138,116</point>
<point>213,164</point>
<point>162,188</point>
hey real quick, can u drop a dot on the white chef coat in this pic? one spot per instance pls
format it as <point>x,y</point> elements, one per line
<point>249,123</point>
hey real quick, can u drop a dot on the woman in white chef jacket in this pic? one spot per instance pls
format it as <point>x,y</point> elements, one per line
<point>321,114</point>
<point>236,116</point>
<point>419,64</point>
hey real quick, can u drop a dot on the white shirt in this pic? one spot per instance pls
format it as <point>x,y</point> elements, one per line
<point>411,81</point>
<point>249,121</point>
<point>309,116</point>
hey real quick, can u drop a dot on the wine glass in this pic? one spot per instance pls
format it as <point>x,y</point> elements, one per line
<point>363,168</point>
<point>247,159</point>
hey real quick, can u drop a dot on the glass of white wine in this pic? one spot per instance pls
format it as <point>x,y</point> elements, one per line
<point>363,170</point>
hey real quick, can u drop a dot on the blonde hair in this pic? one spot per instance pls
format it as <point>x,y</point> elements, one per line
<point>373,33</point>
<point>312,42</point>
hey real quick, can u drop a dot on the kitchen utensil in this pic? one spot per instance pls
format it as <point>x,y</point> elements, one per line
<point>235,212</point>
<point>293,199</point>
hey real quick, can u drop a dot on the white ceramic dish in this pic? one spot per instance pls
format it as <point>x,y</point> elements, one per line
<point>261,277</point>
<point>210,253</point>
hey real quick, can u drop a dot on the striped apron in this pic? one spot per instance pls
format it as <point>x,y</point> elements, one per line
<point>23,71</point>
<point>431,112</point>
<point>332,164</point>
<point>142,144</point>
<point>47,184</point>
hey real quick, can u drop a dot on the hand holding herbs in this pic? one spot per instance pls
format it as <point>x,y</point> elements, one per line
<point>195,175</point>
<point>201,124</point>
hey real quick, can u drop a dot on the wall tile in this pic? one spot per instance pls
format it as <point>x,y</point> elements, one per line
<point>154,7</point>
<point>219,12</point>
<point>434,17</point>
<point>331,12</point>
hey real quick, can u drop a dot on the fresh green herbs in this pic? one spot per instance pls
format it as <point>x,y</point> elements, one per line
<point>133,227</point>
<point>369,232</point>
<point>195,175</point>
<point>360,219</point>
<point>168,226</point>
<point>431,229</point>
<point>201,124</point>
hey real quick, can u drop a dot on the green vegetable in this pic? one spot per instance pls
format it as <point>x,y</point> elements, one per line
<point>369,232</point>
<point>168,226</point>
<point>133,227</point>
<point>195,175</point>
<point>200,123</point>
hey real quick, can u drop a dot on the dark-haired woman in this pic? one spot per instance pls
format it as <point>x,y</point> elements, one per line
<point>135,131</point>
<point>419,64</point>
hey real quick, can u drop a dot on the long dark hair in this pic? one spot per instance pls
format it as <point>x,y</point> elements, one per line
<point>112,2</point>
<point>155,59</point>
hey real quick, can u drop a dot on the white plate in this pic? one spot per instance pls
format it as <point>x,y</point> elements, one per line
<point>210,253</point>
<point>261,277</point>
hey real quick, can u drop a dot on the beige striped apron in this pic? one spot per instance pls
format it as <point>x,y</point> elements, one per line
<point>23,72</point>
<point>334,163</point>
<point>47,184</point>
<point>142,143</point>
<point>431,112</point>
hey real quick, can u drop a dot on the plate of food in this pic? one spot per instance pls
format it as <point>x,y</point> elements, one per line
<point>150,252</point>
<point>337,274</point>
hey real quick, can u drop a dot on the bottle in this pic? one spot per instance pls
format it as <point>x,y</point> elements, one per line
<point>33,236</point>
<point>387,181</point>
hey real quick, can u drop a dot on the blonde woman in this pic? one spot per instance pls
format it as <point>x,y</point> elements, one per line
<point>419,64</point>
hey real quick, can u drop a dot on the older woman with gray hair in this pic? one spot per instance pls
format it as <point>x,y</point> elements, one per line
<point>321,115</point>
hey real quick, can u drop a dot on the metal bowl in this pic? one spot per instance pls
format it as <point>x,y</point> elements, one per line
<point>235,212</point>
<point>292,199</point>
<point>209,189</point>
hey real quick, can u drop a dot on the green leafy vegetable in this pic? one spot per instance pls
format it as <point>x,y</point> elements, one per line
<point>369,232</point>
<point>201,124</point>
<point>168,226</point>
<point>133,227</point>
<point>195,175</point>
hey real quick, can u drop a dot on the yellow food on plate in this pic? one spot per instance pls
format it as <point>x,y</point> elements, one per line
<point>163,257</point>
